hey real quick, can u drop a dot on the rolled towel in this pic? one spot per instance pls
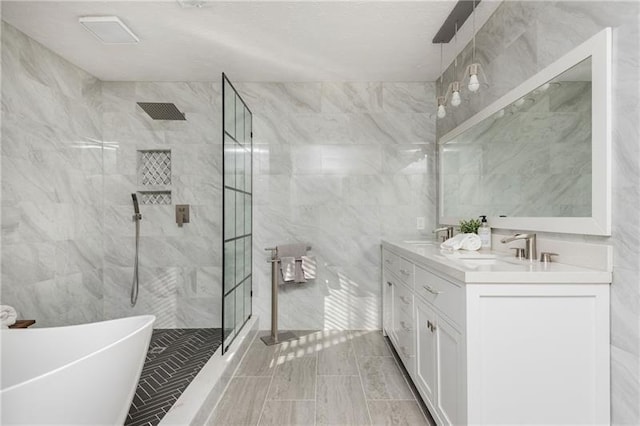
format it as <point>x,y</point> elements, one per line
<point>472,242</point>
<point>454,243</point>
<point>8,316</point>
<point>462,241</point>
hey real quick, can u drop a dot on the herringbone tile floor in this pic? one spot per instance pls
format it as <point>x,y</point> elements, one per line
<point>175,357</point>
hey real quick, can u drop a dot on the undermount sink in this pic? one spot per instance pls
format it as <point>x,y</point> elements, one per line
<point>470,255</point>
<point>420,242</point>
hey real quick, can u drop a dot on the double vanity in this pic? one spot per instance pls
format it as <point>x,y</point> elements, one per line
<point>491,339</point>
<point>488,338</point>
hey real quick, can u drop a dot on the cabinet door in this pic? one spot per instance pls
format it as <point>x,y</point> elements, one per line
<point>387,303</point>
<point>426,355</point>
<point>450,369</point>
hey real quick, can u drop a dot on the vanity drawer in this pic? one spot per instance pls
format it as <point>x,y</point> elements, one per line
<point>406,272</point>
<point>391,262</point>
<point>444,295</point>
<point>403,299</point>
<point>405,340</point>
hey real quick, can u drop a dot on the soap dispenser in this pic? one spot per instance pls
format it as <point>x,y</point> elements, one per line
<point>484,232</point>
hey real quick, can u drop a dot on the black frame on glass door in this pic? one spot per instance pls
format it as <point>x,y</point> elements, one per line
<point>237,185</point>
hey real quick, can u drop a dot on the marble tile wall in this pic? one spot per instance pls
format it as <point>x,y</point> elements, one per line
<point>340,166</point>
<point>522,38</point>
<point>51,185</point>
<point>180,268</point>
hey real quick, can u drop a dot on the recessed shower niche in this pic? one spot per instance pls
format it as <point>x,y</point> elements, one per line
<point>154,175</point>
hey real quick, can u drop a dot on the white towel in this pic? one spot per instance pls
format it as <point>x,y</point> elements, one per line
<point>462,241</point>
<point>472,242</point>
<point>288,268</point>
<point>309,267</point>
<point>8,316</point>
<point>290,256</point>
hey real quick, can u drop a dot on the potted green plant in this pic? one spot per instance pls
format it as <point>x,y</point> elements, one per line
<point>470,226</point>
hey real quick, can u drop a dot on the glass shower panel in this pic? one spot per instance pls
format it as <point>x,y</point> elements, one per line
<point>239,261</point>
<point>247,173</point>
<point>239,296</point>
<point>247,257</point>
<point>238,151</point>
<point>229,161</point>
<point>247,129</point>
<point>239,214</point>
<point>240,173</point>
<point>229,111</point>
<point>247,214</point>
<point>229,317</point>
<point>239,120</point>
<point>229,214</point>
<point>247,297</point>
<point>229,265</point>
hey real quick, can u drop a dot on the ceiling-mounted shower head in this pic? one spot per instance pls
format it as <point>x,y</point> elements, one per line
<point>162,111</point>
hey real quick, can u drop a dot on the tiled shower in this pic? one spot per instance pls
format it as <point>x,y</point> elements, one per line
<point>74,150</point>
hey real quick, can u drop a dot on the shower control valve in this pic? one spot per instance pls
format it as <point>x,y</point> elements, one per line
<point>182,214</point>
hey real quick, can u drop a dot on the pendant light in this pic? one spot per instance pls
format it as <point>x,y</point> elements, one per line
<point>442,100</point>
<point>454,87</point>
<point>475,69</point>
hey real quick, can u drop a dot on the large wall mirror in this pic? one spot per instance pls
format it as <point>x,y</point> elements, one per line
<point>538,158</point>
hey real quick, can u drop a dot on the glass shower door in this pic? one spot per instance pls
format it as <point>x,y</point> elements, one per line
<point>237,206</point>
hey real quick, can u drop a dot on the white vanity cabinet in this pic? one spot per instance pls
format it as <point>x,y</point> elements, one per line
<point>440,346</point>
<point>398,301</point>
<point>484,346</point>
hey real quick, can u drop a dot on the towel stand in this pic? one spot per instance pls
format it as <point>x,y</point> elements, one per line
<point>276,337</point>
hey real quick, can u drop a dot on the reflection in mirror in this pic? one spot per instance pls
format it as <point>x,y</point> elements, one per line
<point>532,158</point>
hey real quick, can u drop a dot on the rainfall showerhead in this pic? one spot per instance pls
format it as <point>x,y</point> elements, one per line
<point>162,111</point>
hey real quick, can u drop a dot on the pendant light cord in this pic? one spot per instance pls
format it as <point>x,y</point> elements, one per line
<point>441,72</point>
<point>455,52</point>
<point>473,55</point>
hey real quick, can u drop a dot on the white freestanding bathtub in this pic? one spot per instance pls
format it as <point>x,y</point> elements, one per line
<point>77,375</point>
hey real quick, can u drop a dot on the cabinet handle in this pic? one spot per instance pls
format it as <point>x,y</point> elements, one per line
<point>405,301</point>
<point>431,290</point>
<point>431,326</point>
<point>389,283</point>
<point>404,326</point>
<point>404,272</point>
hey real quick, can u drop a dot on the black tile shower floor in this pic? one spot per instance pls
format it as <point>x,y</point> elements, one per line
<point>174,358</point>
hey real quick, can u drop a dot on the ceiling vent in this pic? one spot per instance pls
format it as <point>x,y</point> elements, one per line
<point>109,29</point>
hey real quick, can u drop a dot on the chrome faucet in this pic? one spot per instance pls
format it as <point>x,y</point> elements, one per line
<point>530,251</point>
<point>447,229</point>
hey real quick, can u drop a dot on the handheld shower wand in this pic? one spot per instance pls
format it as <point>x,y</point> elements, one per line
<point>137,217</point>
<point>136,208</point>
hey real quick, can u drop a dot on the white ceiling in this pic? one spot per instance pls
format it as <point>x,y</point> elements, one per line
<point>251,40</point>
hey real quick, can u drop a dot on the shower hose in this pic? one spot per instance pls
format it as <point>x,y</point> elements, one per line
<point>134,284</point>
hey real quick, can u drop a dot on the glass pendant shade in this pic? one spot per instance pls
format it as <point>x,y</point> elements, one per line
<point>442,112</point>
<point>474,83</point>
<point>456,100</point>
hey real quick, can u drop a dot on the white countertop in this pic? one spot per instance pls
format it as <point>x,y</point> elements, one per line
<point>485,267</point>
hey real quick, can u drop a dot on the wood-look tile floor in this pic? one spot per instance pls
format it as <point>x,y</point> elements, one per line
<point>321,378</point>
